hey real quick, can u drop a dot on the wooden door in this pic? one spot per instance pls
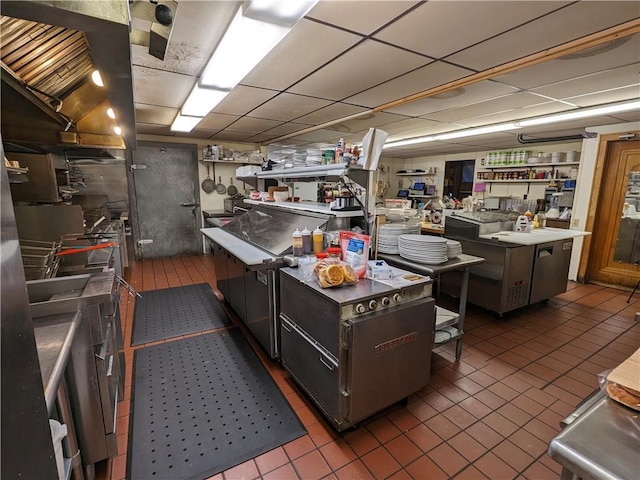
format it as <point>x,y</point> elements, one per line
<point>614,252</point>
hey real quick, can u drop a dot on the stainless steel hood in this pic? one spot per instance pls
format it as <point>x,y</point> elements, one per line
<point>49,50</point>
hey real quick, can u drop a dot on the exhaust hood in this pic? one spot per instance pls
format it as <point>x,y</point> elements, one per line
<point>48,53</point>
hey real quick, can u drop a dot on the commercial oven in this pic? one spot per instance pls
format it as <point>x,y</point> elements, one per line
<point>360,348</point>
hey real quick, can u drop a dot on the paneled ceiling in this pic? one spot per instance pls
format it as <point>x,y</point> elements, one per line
<point>342,68</point>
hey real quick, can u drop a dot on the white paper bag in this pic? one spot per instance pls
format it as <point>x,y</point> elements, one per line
<point>372,144</point>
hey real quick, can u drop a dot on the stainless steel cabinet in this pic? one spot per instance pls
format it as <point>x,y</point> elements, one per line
<point>550,267</point>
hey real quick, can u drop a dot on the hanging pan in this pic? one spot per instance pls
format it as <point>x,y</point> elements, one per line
<point>232,190</point>
<point>208,185</point>
<point>220,188</point>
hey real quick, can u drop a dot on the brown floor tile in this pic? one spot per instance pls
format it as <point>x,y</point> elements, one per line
<point>400,475</point>
<point>354,471</point>
<point>494,468</point>
<point>539,471</point>
<point>448,459</point>
<point>500,424</point>
<point>475,407</point>
<point>467,446</point>
<point>286,472</point>
<point>406,420</point>
<point>403,450</point>
<point>470,473</point>
<point>311,466</point>
<point>438,401</point>
<point>422,410</point>
<point>541,430</point>
<point>424,468</point>
<point>119,467</point>
<point>513,413</point>
<point>338,454</point>
<point>299,447</point>
<point>383,429</point>
<point>321,433</point>
<point>459,416</point>
<point>362,441</point>
<point>444,427</point>
<point>380,463</point>
<point>528,405</point>
<point>518,459</point>
<point>245,471</point>
<point>425,438</point>
<point>271,460</point>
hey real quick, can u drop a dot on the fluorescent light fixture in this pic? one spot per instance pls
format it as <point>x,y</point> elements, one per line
<point>184,123</point>
<point>281,12</point>
<point>582,113</point>
<point>409,141</point>
<point>243,45</point>
<point>111,113</point>
<point>202,100</point>
<point>97,78</point>
<point>117,130</point>
<point>470,132</point>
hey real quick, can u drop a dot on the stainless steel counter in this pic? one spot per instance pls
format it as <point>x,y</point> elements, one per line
<point>243,251</point>
<point>54,338</point>
<point>601,443</point>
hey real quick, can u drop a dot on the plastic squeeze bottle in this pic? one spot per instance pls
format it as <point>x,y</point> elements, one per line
<point>297,243</point>
<point>306,241</point>
<point>318,240</point>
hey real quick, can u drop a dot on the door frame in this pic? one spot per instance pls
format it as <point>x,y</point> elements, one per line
<point>133,201</point>
<point>628,275</point>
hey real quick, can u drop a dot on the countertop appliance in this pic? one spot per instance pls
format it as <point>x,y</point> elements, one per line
<point>514,274</point>
<point>231,203</point>
<point>249,251</point>
<point>361,348</point>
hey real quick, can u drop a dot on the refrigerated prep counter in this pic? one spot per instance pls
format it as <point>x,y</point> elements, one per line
<point>360,348</point>
<point>520,268</point>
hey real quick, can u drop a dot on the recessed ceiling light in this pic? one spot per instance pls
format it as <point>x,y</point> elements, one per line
<point>111,113</point>
<point>184,123</point>
<point>97,78</point>
<point>117,130</point>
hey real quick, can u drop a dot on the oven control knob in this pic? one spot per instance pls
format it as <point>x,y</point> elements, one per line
<point>373,305</point>
<point>385,301</point>
<point>360,308</point>
<point>397,297</point>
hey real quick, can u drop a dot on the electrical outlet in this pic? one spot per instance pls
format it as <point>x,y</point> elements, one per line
<point>575,222</point>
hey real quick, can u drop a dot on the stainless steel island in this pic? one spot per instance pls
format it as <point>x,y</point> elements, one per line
<point>357,349</point>
<point>601,441</point>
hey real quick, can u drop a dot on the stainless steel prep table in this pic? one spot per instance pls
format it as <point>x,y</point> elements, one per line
<point>601,443</point>
<point>463,262</point>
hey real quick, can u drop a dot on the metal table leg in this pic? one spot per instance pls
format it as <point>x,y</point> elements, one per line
<point>70,442</point>
<point>462,310</point>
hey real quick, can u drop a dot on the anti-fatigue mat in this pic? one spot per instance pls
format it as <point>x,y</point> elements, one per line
<point>202,405</point>
<point>171,312</point>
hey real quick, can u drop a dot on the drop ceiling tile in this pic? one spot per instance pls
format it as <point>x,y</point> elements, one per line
<point>627,116</point>
<point>625,51</point>
<point>378,120</point>
<point>362,67</point>
<point>241,100</point>
<point>196,30</point>
<point>597,82</point>
<point>492,106</point>
<point>330,113</point>
<point>149,129</point>
<point>261,137</point>
<point>323,135</point>
<point>471,94</point>
<point>157,87</point>
<point>231,136</point>
<point>288,106</point>
<point>217,121</point>
<point>561,128</point>
<point>413,127</point>
<point>285,129</point>
<point>540,109</point>
<point>547,32</point>
<point>308,46</point>
<point>153,114</point>
<point>615,95</point>
<point>460,23</point>
<point>429,76</point>
<point>253,125</point>
<point>364,17</point>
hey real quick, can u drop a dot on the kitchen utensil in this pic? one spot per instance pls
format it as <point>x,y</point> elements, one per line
<point>208,185</point>
<point>73,250</point>
<point>220,188</point>
<point>232,190</point>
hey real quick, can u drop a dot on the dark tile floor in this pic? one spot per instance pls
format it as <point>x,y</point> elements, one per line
<point>491,415</point>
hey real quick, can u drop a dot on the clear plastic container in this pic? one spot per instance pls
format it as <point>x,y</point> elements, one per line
<point>306,241</point>
<point>297,243</point>
<point>318,240</point>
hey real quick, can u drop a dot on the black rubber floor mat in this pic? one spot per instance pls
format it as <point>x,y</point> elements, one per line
<point>171,312</point>
<point>202,405</point>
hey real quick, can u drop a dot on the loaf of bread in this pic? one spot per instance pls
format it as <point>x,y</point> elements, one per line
<point>626,396</point>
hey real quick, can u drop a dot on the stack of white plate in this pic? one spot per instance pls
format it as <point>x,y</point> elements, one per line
<point>388,236</point>
<point>454,249</point>
<point>314,157</point>
<point>423,248</point>
<point>299,159</point>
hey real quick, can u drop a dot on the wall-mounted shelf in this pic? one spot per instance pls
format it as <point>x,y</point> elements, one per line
<point>528,165</point>
<point>524,180</point>
<point>415,174</point>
